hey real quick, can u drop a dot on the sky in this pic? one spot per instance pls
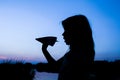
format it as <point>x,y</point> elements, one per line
<point>21,21</point>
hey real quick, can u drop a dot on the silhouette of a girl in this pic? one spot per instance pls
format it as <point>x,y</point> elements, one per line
<point>78,35</point>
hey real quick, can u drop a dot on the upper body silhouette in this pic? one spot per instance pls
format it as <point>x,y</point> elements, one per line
<point>78,35</point>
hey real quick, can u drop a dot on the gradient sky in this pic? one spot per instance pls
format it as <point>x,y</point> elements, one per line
<point>21,21</point>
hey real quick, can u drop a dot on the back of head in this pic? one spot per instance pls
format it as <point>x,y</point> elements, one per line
<point>76,22</point>
<point>80,32</point>
<point>79,28</point>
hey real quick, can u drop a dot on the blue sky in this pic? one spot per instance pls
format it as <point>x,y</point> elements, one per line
<point>21,21</point>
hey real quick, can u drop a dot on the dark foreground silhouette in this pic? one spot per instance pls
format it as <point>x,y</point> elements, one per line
<point>78,36</point>
<point>16,71</point>
<point>100,70</point>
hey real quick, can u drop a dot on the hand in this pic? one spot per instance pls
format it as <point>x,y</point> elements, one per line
<point>44,46</point>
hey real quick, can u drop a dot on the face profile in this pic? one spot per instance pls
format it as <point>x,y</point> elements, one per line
<point>66,37</point>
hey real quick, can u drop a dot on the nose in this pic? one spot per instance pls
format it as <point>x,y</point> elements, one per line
<point>63,33</point>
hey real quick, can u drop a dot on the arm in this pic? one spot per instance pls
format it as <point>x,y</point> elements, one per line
<point>53,65</point>
<point>47,54</point>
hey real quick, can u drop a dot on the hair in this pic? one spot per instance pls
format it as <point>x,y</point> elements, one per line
<point>80,32</point>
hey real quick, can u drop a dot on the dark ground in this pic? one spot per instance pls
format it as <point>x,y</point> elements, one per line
<point>100,70</point>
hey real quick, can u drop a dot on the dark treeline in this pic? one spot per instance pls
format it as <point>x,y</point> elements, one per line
<point>99,70</point>
<point>16,71</point>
